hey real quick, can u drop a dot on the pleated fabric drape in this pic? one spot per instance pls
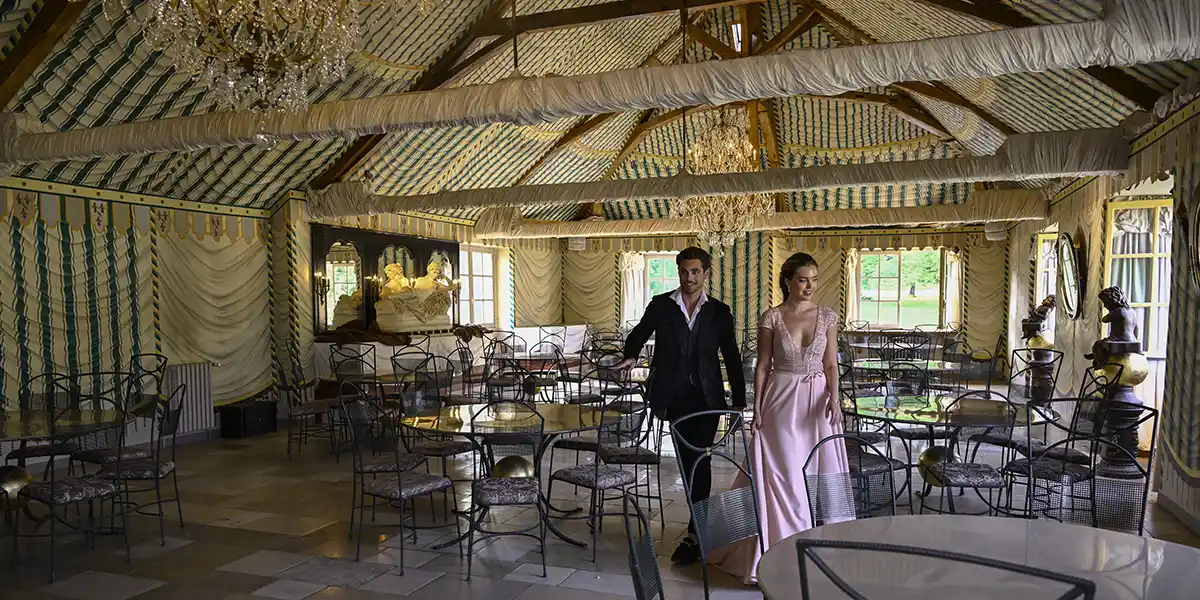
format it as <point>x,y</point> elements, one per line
<point>538,273</point>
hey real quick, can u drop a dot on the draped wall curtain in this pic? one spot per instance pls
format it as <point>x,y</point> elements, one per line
<point>633,286</point>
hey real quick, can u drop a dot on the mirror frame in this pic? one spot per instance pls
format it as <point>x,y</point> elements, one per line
<point>1191,234</point>
<point>1067,247</point>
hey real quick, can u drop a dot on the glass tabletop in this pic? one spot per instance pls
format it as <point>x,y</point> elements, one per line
<point>559,418</point>
<point>36,424</point>
<point>930,409</point>
<point>873,364</point>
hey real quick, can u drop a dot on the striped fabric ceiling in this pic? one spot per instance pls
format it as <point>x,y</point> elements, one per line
<point>104,73</point>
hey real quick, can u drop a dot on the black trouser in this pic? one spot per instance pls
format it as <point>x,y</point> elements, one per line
<point>699,432</point>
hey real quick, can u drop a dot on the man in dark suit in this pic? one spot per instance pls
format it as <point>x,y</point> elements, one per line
<point>690,329</point>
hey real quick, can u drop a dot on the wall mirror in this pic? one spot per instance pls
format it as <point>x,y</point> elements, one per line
<point>396,269</point>
<point>340,286</point>
<point>1070,277</point>
<point>1190,234</point>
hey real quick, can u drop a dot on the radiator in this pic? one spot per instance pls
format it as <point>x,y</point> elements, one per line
<point>197,398</point>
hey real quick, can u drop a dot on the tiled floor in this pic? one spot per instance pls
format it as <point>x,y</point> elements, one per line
<point>259,526</point>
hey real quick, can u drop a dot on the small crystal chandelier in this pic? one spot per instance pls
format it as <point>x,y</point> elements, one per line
<point>726,148</point>
<point>257,54</point>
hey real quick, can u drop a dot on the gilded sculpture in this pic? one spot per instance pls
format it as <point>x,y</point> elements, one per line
<point>415,304</point>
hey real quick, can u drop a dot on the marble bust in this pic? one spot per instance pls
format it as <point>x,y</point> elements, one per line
<point>348,308</point>
<point>414,304</point>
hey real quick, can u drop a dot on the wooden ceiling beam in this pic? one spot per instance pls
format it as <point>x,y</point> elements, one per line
<point>706,39</point>
<point>595,14</point>
<point>802,24</point>
<point>443,70</point>
<point>998,13</point>
<point>914,112</point>
<point>52,22</point>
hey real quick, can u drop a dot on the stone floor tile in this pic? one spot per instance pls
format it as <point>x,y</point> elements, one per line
<point>265,562</point>
<point>96,585</point>
<point>283,589</point>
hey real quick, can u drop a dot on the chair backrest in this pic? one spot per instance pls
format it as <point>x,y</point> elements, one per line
<point>1014,408</point>
<point>165,424</point>
<point>858,325</point>
<point>728,517</point>
<point>508,381</point>
<point>905,378</point>
<point>910,346</point>
<point>154,365</point>
<point>554,334</point>
<point>364,421</point>
<point>407,362</point>
<point>1034,373</point>
<point>808,550</point>
<point>40,393</point>
<point>352,361</point>
<point>436,376</point>
<point>643,564</point>
<point>518,433</point>
<point>850,491</point>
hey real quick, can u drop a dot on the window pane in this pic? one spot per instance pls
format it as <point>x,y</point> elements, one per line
<point>485,312</point>
<point>870,266</point>
<point>888,313</point>
<point>889,265</point>
<point>464,312</point>
<point>1133,275</point>
<point>868,311</point>
<point>1158,343</point>
<point>481,288</point>
<point>889,289</point>
<point>1165,229</point>
<point>464,261</point>
<point>481,262</point>
<point>1131,231</point>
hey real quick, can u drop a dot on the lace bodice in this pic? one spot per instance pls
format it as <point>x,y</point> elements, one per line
<point>789,356</point>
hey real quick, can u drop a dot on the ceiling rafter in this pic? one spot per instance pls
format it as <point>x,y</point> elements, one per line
<point>800,25</point>
<point>451,64</point>
<point>604,12</point>
<point>858,36</point>
<point>998,13</point>
<point>50,24</point>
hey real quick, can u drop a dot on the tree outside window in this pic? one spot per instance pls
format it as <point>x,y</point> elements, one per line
<point>901,288</point>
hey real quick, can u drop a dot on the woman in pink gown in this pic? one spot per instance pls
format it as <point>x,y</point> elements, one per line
<point>796,406</point>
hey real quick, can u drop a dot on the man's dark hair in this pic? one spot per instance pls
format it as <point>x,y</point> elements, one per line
<point>694,253</point>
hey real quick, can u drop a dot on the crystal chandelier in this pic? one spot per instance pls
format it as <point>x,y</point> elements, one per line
<point>256,54</point>
<point>726,148</point>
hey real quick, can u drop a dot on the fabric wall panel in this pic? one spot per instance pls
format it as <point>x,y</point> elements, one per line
<point>76,298</point>
<point>985,297</point>
<point>741,277</point>
<point>538,273</point>
<point>590,287</point>
<point>215,309</point>
<point>1021,253</point>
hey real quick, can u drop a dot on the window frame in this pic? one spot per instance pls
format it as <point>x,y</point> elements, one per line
<point>1041,267</point>
<point>1157,204</point>
<point>647,257</point>
<point>899,278</point>
<point>466,277</point>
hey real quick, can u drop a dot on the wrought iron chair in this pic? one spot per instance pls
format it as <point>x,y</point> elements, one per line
<point>1032,379</point>
<point>867,489</point>
<point>724,518</point>
<point>972,474</point>
<point>518,437</point>
<point>119,388</point>
<point>807,551</point>
<point>643,563</point>
<point>398,486</point>
<point>625,442</point>
<point>159,465</point>
<point>913,346</point>
<point>294,388</point>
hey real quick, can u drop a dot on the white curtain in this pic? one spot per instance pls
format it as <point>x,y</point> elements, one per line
<point>852,262</point>
<point>633,286</point>
<point>952,299</point>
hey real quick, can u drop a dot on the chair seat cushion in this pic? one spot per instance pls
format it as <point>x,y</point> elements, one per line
<point>506,491</point>
<point>870,437</point>
<point>628,455</point>
<point>442,448</point>
<point>583,443</point>
<point>71,489</point>
<point>137,470</point>
<point>869,463</point>
<point>1049,470</point>
<point>405,485</point>
<point>993,439</point>
<point>595,477</point>
<point>314,407</point>
<point>391,463</point>
<point>104,456</point>
<point>968,475</point>
<point>40,451</point>
<point>1070,455</point>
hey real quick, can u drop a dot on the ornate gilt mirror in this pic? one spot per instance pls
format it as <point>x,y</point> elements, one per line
<point>340,286</point>
<point>1070,277</point>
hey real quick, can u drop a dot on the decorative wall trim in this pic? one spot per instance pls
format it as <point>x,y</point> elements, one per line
<point>91,193</point>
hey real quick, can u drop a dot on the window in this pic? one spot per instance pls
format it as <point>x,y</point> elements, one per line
<point>477,297</point>
<point>901,289</point>
<point>1046,270</point>
<point>1139,262</point>
<point>644,276</point>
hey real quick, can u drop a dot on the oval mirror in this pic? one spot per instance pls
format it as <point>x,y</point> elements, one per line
<point>1070,280</point>
<point>1191,234</point>
<point>341,286</point>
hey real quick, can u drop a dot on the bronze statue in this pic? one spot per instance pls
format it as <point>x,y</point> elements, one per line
<point>1120,318</point>
<point>1035,325</point>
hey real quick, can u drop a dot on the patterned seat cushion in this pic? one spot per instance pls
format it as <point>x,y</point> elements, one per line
<point>869,463</point>
<point>870,437</point>
<point>1070,455</point>
<point>137,470</point>
<point>104,456</point>
<point>389,462</point>
<point>628,455</point>
<point>583,443</point>
<point>624,407</point>
<point>406,485</point>
<point>40,451</point>
<point>506,491</point>
<point>1050,470</point>
<point>970,475</point>
<point>592,477</point>
<point>442,448</point>
<point>71,489</point>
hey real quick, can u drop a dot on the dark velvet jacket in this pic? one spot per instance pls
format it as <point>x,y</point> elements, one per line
<point>680,353</point>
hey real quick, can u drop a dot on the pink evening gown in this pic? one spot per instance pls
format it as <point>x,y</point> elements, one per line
<point>792,410</point>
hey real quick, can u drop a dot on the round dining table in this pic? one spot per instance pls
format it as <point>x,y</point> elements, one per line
<point>477,420</point>
<point>935,409</point>
<point>1122,566</point>
<point>930,366</point>
<point>38,425</point>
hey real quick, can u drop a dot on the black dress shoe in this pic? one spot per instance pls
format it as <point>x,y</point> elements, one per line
<point>686,553</point>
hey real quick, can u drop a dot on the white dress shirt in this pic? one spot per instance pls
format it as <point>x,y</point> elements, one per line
<point>677,296</point>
